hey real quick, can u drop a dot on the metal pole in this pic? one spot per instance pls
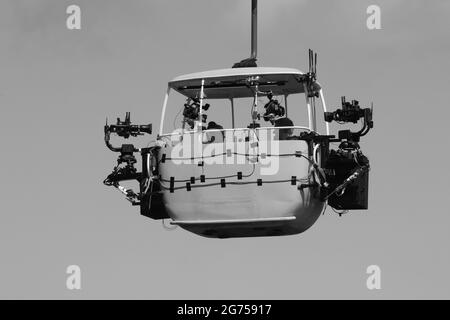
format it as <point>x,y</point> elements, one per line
<point>200,139</point>
<point>310,113</point>
<point>254,27</point>
<point>324,107</point>
<point>285,104</point>
<point>200,113</point>
<point>313,108</point>
<point>166,98</point>
<point>232,113</point>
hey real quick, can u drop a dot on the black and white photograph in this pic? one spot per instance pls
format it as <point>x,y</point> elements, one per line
<point>224,150</point>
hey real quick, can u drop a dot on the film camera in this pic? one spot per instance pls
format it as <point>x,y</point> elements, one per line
<point>125,129</point>
<point>192,110</point>
<point>273,109</point>
<point>350,112</point>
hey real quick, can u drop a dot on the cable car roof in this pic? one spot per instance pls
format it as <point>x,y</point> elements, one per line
<point>233,82</point>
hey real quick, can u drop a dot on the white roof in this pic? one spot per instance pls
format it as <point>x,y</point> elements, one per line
<point>235,72</point>
<point>232,82</point>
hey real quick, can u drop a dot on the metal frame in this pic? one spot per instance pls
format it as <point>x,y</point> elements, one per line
<point>237,129</point>
<point>312,121</point>
<point>163,113</point>
<point>312,125</point>
<point>232,221</point>
<point>324,108</point>
<point>286,103</point>
<point>232,112</point>
<point>200,112</point>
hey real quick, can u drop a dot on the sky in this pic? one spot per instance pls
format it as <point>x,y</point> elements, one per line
<point>57,86</point>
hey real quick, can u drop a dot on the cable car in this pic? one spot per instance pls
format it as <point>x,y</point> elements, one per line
<point>269,177</point>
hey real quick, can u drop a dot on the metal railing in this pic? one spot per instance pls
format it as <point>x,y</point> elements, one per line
<point>178,133</point>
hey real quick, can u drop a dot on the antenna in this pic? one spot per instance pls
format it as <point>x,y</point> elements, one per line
<point>254,28</point>
<point>312,64</point>
<point>311,76</point>
<point>315,64</point>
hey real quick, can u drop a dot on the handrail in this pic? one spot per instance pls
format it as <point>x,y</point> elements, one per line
<point>233,129</point>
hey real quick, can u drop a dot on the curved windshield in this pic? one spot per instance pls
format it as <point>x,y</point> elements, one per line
<point>217,114</point>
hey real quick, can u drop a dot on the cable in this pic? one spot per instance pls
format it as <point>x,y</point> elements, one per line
<point>245,155</point>
<point>356,159</point>
<point>232,183</point>
<point>339,213</point>
<point>341,188</point>
<point>210,178</point>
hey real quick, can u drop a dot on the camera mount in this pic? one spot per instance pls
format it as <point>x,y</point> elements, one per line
<point>191,111</point>
<point>351,112</point>
<point>125,169</point>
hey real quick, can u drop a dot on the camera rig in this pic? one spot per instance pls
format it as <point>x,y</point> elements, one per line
<point>149,195</point>
<point>351,112</point>
<point>191,112</point>
<point>273,109</point>
<point>346,169</point>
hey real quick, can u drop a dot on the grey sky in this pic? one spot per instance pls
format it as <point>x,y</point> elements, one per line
<point>57,86</point>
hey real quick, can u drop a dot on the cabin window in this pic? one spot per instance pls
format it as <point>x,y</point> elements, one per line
<point>297,110</point>
<point>174,112</point>
<point>220,111</point>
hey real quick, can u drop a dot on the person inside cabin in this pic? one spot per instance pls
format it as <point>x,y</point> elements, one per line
<point>216,135</point>
<point>276,115</point>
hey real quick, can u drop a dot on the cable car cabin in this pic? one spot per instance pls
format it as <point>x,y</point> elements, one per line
<point>248,171</point>
<point>239,154</point>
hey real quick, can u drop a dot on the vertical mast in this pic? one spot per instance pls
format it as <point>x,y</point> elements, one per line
<point>254,28</point>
